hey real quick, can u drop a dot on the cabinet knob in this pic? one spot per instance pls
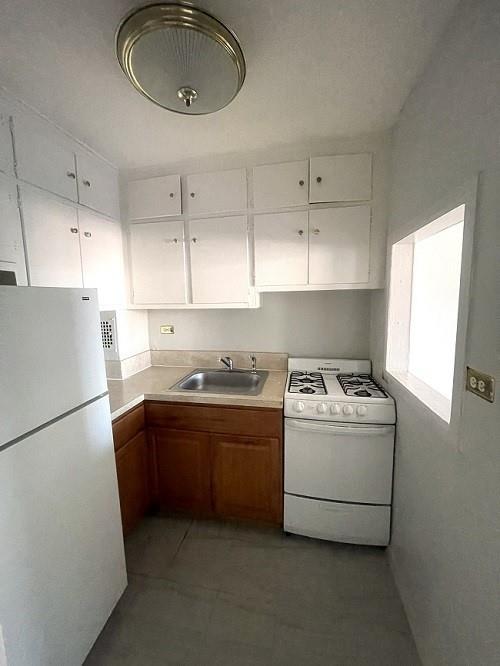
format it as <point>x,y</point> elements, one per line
<point>319,179</point>
<point>315,232</point>
<point>87,234</point>
<point>194,240</point>
<point>71,174</point>
<point>171,195</point>
<point>301,183</point>
<point>300,232</point>
<point>192,195</point>
<point>74,230</point>
<point>86,183</point>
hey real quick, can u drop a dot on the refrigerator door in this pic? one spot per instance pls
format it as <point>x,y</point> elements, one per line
<point>62,565</point>
<point>51,356</point>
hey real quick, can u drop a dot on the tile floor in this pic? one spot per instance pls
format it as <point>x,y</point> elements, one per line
<point>205,593</point>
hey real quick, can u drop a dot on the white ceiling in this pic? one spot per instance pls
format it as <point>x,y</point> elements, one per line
<point>315,68</point>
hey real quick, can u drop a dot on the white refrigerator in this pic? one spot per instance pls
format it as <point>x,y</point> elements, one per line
<point>62,565</point>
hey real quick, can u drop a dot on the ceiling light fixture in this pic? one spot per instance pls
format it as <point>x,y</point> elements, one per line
<point>180,58</point>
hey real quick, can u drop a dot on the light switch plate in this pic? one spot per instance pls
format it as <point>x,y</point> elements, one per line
<point>481,384</point>
<point>167,329</point>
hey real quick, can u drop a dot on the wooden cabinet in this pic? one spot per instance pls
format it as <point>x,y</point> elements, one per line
<point>52,241</point>
<point>182,462</point>
<point>157,256</point>
<point>11,239</point>
<point>339,245</point>
<point>246,477</point>
<point>152,198</point>
<point>340,178</point>
<point>281,248</point>
<point>281,185</point>
<point>219,260</point>
<point>102,258</point>
<point>6,150</point>
<point>217,192</point>
<point>97,185</point>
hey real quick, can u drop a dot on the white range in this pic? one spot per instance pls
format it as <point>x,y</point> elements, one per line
<point>339,452</point>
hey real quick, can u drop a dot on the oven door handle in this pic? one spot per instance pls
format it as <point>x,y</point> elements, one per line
<point>337,429</point>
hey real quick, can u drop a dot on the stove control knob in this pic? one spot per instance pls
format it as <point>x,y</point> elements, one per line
<point>361,410</point>
<point>299,406</point>
<point>348,410</point>
<point>321,408</point>
<point>335,409</point>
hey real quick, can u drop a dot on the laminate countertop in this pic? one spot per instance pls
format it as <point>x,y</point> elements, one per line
<point>154,384</point>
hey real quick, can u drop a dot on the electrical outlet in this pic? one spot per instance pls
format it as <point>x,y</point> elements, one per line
<point>167,329</point>
<point>481,384</point>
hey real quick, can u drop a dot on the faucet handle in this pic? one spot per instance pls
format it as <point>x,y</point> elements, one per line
<point>254,361</point>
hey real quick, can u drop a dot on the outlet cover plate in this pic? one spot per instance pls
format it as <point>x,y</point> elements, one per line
<point>481,384</point>
<point>167,329</point>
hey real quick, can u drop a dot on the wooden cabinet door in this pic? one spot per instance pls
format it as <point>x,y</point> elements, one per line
<point>102,258</point>
<point>182,470</point>
<point>219,260</point>
<point>341,178</point>
<point>281,249</point>
<point>132,470</point>
<point>157,256</point>
<point>11,239</point>
<point>217,192</point>
<point>247,477</point>
<point>98,185</point>
<point>52,241</point>
<point>281,185</point>
<point>6,151</point>
<point>151,198</point>
<point>339,245</point>
<point>43,158</point>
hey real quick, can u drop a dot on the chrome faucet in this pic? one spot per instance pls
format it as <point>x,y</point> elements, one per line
<point>227,361</point>
<point>254,362</point>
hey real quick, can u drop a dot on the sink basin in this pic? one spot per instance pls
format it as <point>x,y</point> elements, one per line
<point>235,382</point>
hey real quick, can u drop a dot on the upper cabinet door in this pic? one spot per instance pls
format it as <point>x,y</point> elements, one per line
<point>102,258</point>
<point>219,260</point>
<point>157,255</point>
<point>281,185</point>
<point>43,158</point>
<point>281,249</point>
<point>217,192</point>
<point>6,151</point>
<point>154,197</point>
<point>341,178</point>
<point>52,241</point>
<point>98,185</point>
<point>339,245</point>
<point>11,239</point>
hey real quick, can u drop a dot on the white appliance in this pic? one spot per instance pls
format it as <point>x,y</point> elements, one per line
<point>339,451</point>
<point>62,565</point>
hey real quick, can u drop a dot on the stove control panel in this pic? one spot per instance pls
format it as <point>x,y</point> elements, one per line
<point>341,412</point>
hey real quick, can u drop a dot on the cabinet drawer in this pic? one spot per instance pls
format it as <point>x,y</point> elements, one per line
<point>127,426</point>
<point>213,418</point>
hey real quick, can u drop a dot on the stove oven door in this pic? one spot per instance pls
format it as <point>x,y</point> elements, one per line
<point>343,463</point>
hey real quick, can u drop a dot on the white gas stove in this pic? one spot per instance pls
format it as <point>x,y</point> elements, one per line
<point>339,449</point>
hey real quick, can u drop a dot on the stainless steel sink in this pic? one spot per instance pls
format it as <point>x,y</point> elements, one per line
<point>235,382</point>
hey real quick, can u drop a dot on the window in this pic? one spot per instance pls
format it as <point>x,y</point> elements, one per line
<point>423,316</point>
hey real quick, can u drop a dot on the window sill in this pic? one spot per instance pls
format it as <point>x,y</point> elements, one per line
<point>436,402</point>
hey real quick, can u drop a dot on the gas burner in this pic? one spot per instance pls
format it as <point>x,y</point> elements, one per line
<point>307,382</point>
<point>362,386</point>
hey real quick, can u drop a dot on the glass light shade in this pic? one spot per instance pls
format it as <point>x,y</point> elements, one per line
<point>181,58</point>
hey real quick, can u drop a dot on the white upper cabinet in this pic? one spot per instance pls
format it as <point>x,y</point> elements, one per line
<point>98,185</point>
<point>157,255</point>
<point>217,192</point>
<point>52,241</point>
<point>6,151</point>
<point>219,260</point>
<point>341,178</point>
<point>11,239</point>
<point>281,249</point>
<point>281,185</point>
<point>43,158</point>
<point>152,198</point>
<point>102,258</point>
<point>339,245</point>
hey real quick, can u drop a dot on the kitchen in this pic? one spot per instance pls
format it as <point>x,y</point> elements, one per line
<point>249,445</point>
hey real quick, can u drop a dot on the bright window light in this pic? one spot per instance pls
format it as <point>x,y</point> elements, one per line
<point>423,310</point>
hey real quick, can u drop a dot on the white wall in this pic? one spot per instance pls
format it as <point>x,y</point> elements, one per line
<point>445,551</point>
<point>316,323</point>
